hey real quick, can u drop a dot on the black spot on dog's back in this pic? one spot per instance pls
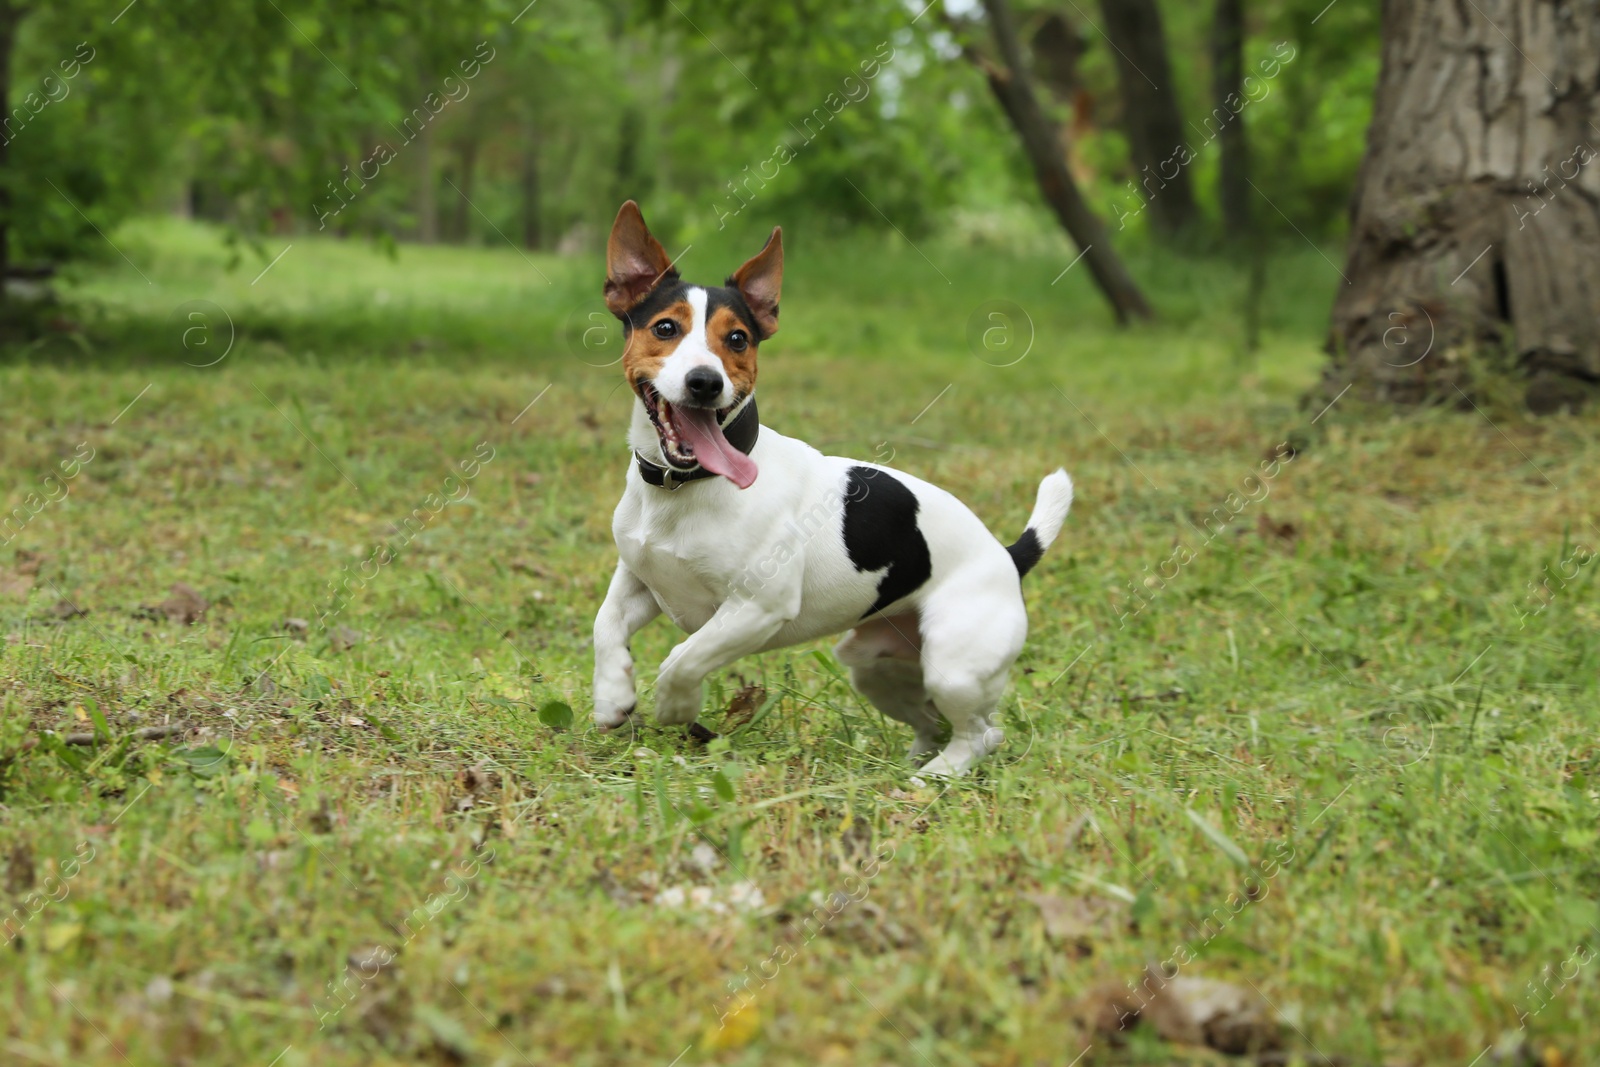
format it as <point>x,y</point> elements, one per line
<point>880,530</point>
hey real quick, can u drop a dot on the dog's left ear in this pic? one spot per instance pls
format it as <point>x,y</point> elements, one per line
<point>760,279</point>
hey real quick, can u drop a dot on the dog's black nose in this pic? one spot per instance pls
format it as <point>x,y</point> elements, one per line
<point>704,384</point>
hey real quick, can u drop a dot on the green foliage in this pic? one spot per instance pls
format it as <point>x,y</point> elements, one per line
<point>1309,141</point>
<point>491,121</point>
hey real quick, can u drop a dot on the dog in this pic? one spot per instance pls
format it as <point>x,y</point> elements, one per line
<point>749,540</point>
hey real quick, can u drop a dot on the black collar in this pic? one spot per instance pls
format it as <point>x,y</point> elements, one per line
<point>741,433</point>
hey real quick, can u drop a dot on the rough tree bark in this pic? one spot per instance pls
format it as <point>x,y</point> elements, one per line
<point>1150,113</point>
<point>1040,140</point>
<point>1476,215</point>
<point>1227,74</point>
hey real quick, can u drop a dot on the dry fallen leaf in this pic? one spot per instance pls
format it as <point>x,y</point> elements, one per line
<point>472,783</point>
<point>743,707</point>
<point>917,824</point>
<point>1186,1010</point>
<point>1074,922</point>
<point>343,638</point>
<point>185,605</point>
<point>478,779</point>
<point>66,609</point>
<point>867,924</point>
<point>1282,531</point>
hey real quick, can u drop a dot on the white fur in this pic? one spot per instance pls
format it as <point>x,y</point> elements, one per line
<point>1050,507</point>
<point>743,571</point>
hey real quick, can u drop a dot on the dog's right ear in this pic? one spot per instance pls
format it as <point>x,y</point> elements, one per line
<point>635,261</point>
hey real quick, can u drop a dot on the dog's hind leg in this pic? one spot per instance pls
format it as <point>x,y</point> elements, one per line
<point>971,634</point>
<point>629,604</point>
<point>883,656</point>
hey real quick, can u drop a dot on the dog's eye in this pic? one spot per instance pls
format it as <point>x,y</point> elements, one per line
<point>665,329</point>
<point>738,340</point>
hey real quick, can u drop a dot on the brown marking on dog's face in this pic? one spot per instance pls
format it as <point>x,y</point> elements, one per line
<point>646,350</point>
<point>732,340</point>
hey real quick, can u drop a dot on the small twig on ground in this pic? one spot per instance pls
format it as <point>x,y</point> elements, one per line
<point>145,733</point>
<point>1170,694</point>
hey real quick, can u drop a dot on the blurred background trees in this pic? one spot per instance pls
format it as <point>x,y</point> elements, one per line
<point>1221,128</point>
<point>845,115</point>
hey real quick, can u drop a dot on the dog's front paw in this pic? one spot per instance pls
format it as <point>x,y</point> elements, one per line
<point>610,714</point>
<point>677,705</point>
<point>614,698</point>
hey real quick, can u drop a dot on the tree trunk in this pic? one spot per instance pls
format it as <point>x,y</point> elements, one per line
<point>1227,72</point>
<point>467,162</point>
<point>1150,113</point>
<point>1476,215</point>
<point>427,193</point>
<point>532,229</point>
<point>1056,50</point>
<point>1041,141</point>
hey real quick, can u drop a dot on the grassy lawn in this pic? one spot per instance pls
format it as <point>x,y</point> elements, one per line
<point>1335,750</point>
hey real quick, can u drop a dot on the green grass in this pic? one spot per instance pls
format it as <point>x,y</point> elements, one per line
<point>1338,682</point>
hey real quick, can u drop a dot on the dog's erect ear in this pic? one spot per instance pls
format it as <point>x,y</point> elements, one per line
<point>759,281</point>
<point>635,261</point>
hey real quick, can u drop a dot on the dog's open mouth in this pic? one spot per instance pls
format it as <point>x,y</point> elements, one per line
<point>692,437</point>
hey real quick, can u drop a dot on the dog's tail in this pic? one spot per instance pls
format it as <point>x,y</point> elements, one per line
<point>1049,512</point>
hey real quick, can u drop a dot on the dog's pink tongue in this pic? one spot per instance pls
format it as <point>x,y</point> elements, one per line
<point>699,427</point>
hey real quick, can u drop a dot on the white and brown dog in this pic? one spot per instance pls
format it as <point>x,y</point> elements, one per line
<point>816,545</point>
